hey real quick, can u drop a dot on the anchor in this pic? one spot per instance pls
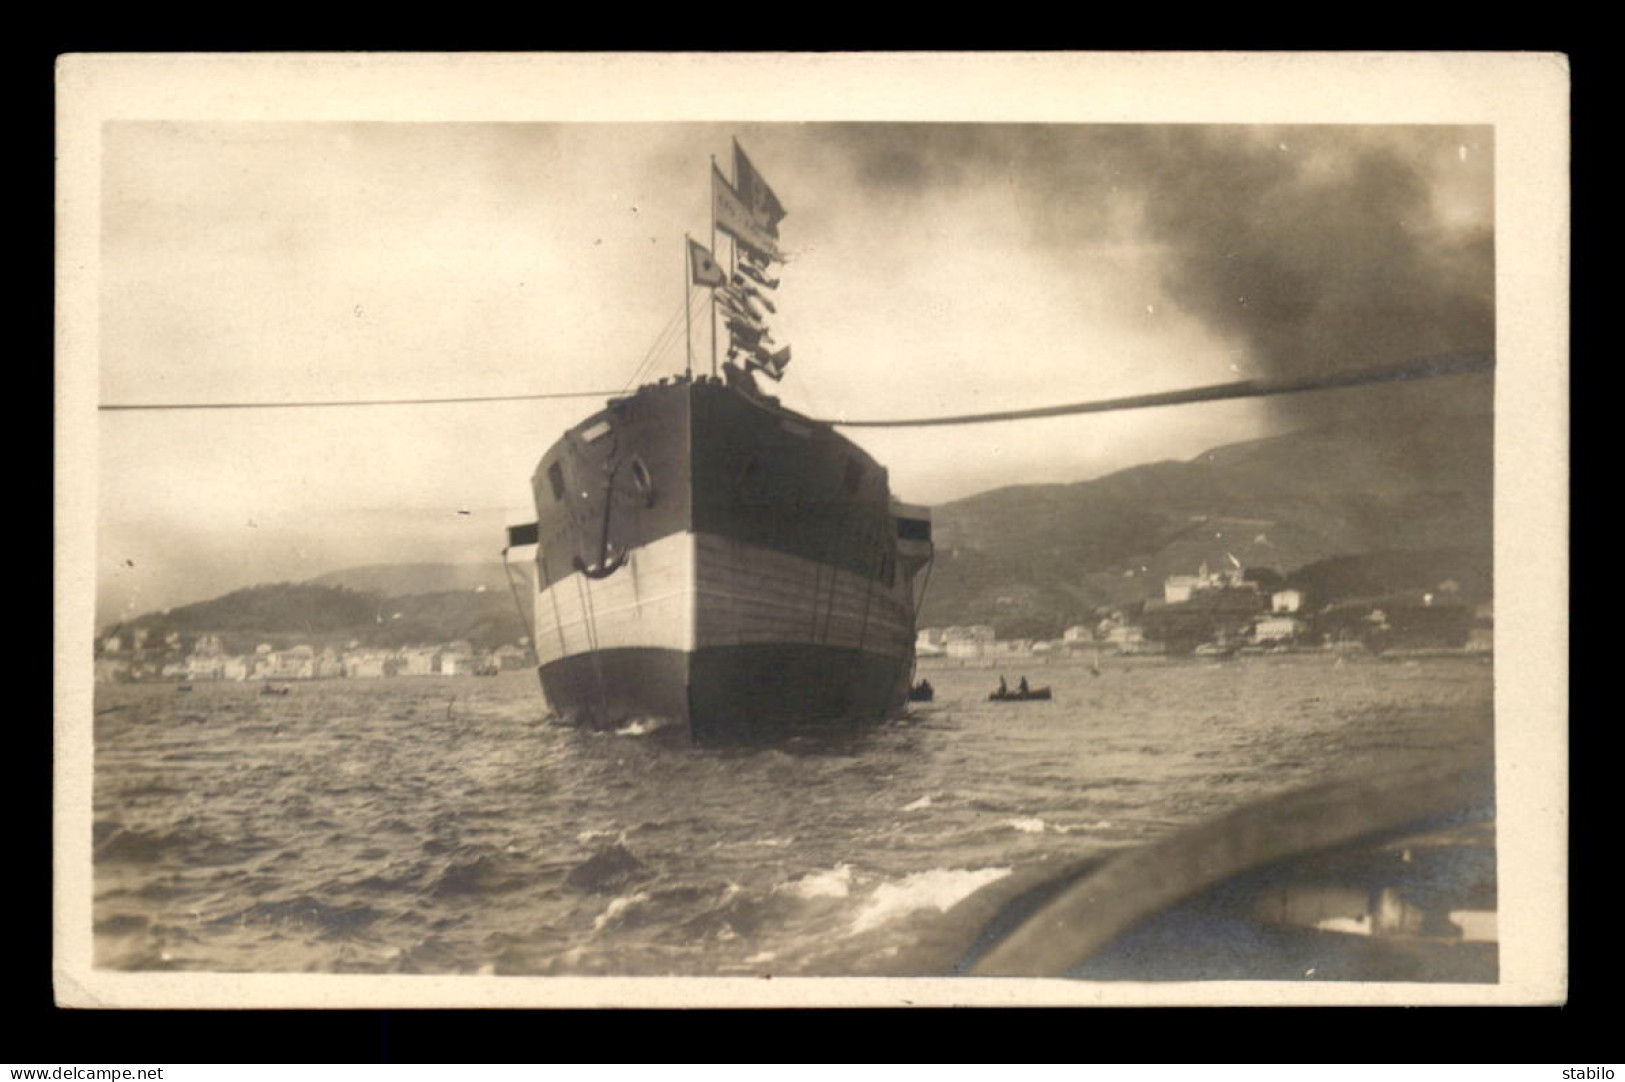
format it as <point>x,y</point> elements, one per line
<point>605,567</point>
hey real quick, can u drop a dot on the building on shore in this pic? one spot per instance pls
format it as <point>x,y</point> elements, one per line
<point>1206,609</point>
<point>369,664</point>
<point>1288,600</point>
<point>1178,589</point>
<point>419,660</point>
<point>458,664</point>
<point>968,643</point>
<point>1279,628</point>
<point>512,656</point>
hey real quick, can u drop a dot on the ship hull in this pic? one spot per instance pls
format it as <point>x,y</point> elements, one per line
<point>709,559</point>
<point>726,693</point>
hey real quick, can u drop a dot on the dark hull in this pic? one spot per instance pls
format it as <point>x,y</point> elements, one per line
<point>708,558</point>
<point>724,694</point>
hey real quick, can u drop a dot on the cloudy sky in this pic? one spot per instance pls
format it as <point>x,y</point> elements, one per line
<point>934,269</point>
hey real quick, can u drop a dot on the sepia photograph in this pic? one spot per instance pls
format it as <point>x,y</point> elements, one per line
<point>606,530</point>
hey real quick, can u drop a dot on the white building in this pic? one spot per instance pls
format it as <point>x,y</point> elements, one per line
<point>418,661</point>
<point>1278,627</point>
<point>205,667</point>
<point>1177,588</point>
<point>367,665</point>
<point>512,657</point>
<point>457,664</point>
<point>1286,601</point>
<point>1126,638</point>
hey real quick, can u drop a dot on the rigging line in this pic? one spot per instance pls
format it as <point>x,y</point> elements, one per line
<point>1455,364</point>
<point>671,340</point>
<point>664,341</point>
<point>519,608</point>
<point>654,347</point>
<point>120,406</point>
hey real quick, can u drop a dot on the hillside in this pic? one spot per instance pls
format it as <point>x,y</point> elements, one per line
<point>401,580</point>
<point>290,614</point>
<point>1033,559</point>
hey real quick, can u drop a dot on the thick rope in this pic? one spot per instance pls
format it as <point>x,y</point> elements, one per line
<point>1456,364</point>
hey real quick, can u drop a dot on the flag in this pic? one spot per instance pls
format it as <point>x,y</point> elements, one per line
<point>735,299</point>
<point>740,316</point>
<point>755,193</point>
<point>757,276</point>
<point>745,289</point>
<point>735,218</point>
<point>703,266</point>
<point>745,336</point>
<point>744,319</point>
<point>742,335</point>
<point>773,364</point>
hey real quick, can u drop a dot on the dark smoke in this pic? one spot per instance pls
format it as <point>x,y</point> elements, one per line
<point>1314,249</point>
<point>1318,272</point>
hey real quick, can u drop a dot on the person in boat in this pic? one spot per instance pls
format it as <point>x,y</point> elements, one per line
<point>1021,688</point>
<point>1003,689</point>
<point>925,689</point>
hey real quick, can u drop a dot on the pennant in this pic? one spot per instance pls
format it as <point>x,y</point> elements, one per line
<point>746,336</point>
<point>757,276</point>
<point>733,315</point>
<point>734,218</point>
<point>756,195</point>
<point>703,266</point>
<point>735,300</point>
<point>773,364</point>
<point>746,290</point>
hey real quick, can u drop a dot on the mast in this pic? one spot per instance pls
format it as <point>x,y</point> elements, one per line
<point>688,314</point>
<point>713,248</point>
<point>733,242</point>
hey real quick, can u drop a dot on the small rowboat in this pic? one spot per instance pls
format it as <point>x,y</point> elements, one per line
<point>1018,696</point>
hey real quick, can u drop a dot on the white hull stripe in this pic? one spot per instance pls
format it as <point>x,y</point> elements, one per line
<point>687,592</point>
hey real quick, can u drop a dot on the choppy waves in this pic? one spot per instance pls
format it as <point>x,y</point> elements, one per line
<point>422,825</point>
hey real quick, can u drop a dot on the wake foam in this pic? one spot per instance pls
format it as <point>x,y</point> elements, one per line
<point>939,889</point>
<point>835,883</point>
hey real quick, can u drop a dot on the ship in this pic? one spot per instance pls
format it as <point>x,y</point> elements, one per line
<point>706,556</point>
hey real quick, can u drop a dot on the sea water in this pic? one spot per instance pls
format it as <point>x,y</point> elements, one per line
<point>442,825</point>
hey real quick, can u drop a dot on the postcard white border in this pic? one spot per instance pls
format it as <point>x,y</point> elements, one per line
<point>1524,96</point>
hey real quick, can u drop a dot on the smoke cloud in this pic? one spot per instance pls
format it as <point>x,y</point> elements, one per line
<point>1313,249</point>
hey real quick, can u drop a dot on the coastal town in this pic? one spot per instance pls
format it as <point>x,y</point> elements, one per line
<point>1230,610</point>
<point>137,656</point>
